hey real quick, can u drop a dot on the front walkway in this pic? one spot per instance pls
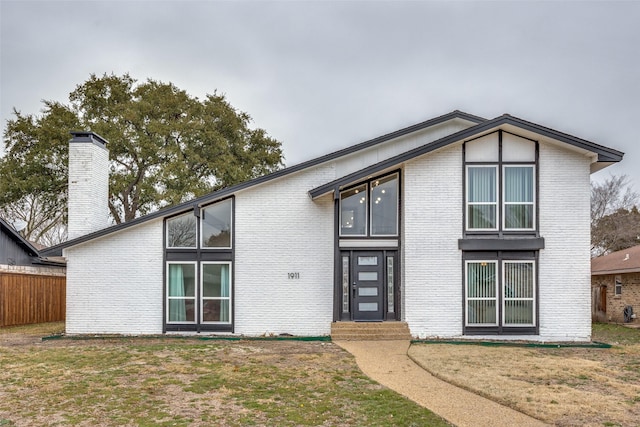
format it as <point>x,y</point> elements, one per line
<point>387,363</point>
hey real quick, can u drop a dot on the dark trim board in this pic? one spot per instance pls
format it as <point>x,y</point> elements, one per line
<point>604,153</point>
<point>504,244</point>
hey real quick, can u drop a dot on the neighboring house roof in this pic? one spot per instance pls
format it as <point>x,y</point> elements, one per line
<point>480,126</point>
<point>31,249</point>
<point>624,261</point>
<point>18,239</point>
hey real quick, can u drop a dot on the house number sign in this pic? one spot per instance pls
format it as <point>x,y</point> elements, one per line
<point>294,276</point>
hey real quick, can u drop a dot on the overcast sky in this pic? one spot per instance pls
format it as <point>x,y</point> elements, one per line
<point>320,76</point>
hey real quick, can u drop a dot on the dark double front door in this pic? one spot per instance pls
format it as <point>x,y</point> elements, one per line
<point>368,285</point>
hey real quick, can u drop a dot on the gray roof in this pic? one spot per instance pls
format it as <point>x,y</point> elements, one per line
<point>16,237</point>
<point>605,154</point>
<point>481,125</point>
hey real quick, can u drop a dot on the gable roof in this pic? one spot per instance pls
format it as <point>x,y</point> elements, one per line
<point>624,261</point>
<point>225,192</point>
<point>479,126</point>
<point>605,154</point>
<point>18,239</point>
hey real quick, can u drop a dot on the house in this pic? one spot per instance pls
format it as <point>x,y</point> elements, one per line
<point>32,288</point>
<point>460,226</point>
<point>615,286</point>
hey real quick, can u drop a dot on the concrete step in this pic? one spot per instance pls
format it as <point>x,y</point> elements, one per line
<point>370,331</point>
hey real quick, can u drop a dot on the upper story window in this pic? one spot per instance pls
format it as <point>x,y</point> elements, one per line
<point>181,231</point>
<point>215,228</point>
<point>500,183</point>
<point>370,209</point>
<point>216,225</point>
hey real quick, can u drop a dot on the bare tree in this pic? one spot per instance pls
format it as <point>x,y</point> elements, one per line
<point>615,221</point>
<point>39,221</point>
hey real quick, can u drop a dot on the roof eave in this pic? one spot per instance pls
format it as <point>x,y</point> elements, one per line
<point>604,153</point>
<point>21,241</point>
<point>616,271</point>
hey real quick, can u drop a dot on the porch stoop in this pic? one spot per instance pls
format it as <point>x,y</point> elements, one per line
<point>369,331</point>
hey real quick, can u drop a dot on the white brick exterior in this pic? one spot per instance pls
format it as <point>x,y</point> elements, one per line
<point>88,210</point>
<point>280,230</point>
<point>565,262</point>
<point>432,226</point>
<point>115,282</point>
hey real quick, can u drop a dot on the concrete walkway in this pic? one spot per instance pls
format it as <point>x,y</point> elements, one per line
<point>387,363</point>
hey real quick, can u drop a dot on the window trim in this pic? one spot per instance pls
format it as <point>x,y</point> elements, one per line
<point>617,285</point>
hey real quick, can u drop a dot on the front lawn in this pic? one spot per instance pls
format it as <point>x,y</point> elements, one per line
<point>562,386</point>
<point>186,381</point>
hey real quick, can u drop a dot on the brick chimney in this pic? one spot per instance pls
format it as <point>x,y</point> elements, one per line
<point>88,184</point>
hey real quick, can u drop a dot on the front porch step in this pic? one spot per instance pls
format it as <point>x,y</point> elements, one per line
<point>370,331</point>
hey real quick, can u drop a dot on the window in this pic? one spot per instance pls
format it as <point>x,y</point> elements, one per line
<point>181,231</point>
<point>500,296</point>
<point>518,209</point>
<point>482,199</point>
<point>216,225</point>
<point>216,292</point>
<point>482,293</point>
<point>181,292</point>
<point>353,211</point>
<point>500,183</point>
<point>370,209</point>
<point>384,206</point>
<point>518,293</point>
<point>198,274</point>
<point>618,285</point>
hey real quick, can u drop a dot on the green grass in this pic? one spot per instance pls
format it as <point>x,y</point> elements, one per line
<point>615,334</point>
<point>184,382</point>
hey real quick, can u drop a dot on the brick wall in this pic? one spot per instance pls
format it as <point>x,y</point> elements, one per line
<point>565,264</point>
<point>616,303</point>
<point>88,188</point>
<point>114,284</point>
<point>432,264</point>
<point>280,230</point>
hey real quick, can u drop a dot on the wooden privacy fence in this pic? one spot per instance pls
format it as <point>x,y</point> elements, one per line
<point>31,298</point>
